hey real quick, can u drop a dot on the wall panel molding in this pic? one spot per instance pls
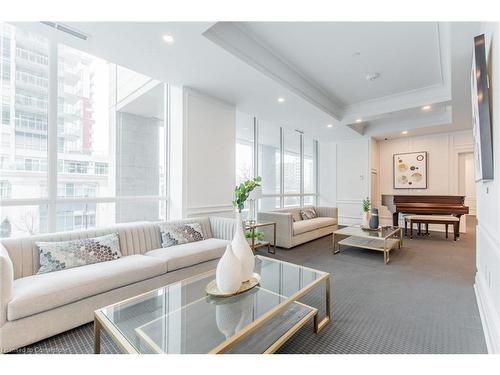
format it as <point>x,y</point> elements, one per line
<point>484,287</point>
<point>210,210</point>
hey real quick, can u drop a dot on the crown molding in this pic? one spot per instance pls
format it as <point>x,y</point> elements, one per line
<point>412,122</point>
<point>438,93</point>
<point>233,38</point>
<point>237,40</point>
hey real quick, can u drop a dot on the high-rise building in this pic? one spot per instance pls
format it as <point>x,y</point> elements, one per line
<point>82,172</point>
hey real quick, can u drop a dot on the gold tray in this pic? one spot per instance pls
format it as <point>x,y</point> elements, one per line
<point>379,229</point>
<point>212,289</point>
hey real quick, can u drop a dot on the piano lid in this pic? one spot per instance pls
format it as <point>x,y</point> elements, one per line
<point>393,202</point>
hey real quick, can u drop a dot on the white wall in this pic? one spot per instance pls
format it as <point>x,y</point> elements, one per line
<point>344,177</point>
<point>210,153</point>
<point>202,157</point>
<point>374,176</point>
<point>327,170</point>
<point>467,180</point>
<point>443,166</point>
<point>488,210</point>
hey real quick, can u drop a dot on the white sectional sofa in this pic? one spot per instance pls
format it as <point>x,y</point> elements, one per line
<point>36,306</point>
<point>291,230</point>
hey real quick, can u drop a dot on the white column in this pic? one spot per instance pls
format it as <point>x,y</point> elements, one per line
<point>176,154</point>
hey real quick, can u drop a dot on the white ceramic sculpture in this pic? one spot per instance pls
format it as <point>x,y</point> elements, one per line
<point>242,250</point>
<point>228,273</point>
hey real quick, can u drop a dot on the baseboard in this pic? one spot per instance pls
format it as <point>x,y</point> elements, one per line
<point>489,316</point>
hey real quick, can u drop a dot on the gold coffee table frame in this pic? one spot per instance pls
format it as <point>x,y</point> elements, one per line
<point>102,322</point>
<point>355,236</point>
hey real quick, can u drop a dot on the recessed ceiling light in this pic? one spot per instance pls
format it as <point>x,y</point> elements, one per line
<point>359,120</point>
<point>281,100</point>
<point>372,76</point>
<point>404,132</point>
<point>426,108</point>
<point>168,38</point>
<point>329,126</point>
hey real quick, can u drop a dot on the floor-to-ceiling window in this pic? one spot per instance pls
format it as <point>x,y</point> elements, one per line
<point>245,136</point>
<point>83,140</point>
<point>310,170</point>
<point>269,164</point>
<point>285,159</point>
<point>291,168</point>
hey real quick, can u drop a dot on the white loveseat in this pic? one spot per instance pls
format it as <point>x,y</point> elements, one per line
<point>291,230</point>
<point>34,307</point>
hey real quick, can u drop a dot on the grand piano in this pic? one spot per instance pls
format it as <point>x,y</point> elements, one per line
<point>424,205</point>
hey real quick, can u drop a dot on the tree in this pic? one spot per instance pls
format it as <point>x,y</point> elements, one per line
<point>5,228</point>
<point>28,222</point>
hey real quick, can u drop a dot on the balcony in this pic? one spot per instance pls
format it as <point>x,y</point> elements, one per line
<point>32,82</point>
<point>25,123</point>
<point>31,103</point>
<point>68,110</point>
<point>32,58</point>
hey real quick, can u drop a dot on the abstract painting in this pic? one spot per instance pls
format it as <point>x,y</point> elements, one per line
<point>410,170</point>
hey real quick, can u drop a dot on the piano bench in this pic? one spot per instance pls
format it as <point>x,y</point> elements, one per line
<point>432,219</point>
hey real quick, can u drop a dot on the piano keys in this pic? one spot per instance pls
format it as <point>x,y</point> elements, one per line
<point>424,205</point>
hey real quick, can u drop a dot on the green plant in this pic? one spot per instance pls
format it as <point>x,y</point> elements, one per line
<point>366,204</point>
<point>242,192</point>
<point>258,235</point>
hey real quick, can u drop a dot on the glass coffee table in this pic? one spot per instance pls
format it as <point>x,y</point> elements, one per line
<point>182,318</point>
<point>384,239</point>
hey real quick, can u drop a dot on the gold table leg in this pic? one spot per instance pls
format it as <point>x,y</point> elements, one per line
<point>336,246</point>
<point>97,336</point>
<point>401,236</point>
<point>253,239</point>
<point>318,326</point>
<point>274,239</point>
<point>386,253</point>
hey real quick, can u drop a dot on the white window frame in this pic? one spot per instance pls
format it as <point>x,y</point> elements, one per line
<point>282,195</point>
<point>52,200</point>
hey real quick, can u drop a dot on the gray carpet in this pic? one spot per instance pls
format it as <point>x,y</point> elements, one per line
<point>422,302</point>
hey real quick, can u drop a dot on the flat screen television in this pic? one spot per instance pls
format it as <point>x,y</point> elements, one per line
<point>481,113</point>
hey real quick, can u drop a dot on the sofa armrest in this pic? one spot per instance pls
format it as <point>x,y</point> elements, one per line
<point>6,282</point>
<point>327,212</point>
<point>222,227</point>
<point>284,227</point>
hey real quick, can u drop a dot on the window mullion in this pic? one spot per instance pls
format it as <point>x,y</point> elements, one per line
<point>316,171</point>
<point>282,167</point>
<point>52,137</point>
<point>166,124</point>
<point>255,147</point>
<point>301,188</point>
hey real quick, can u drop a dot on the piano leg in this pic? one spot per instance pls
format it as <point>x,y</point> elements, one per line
<point>458,225</point>
<point>395,219</point>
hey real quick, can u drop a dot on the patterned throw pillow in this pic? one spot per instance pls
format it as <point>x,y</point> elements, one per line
<point>308,213</point>
<point>296,215</point>
<point>177,234</point>
<point>56,256</point>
